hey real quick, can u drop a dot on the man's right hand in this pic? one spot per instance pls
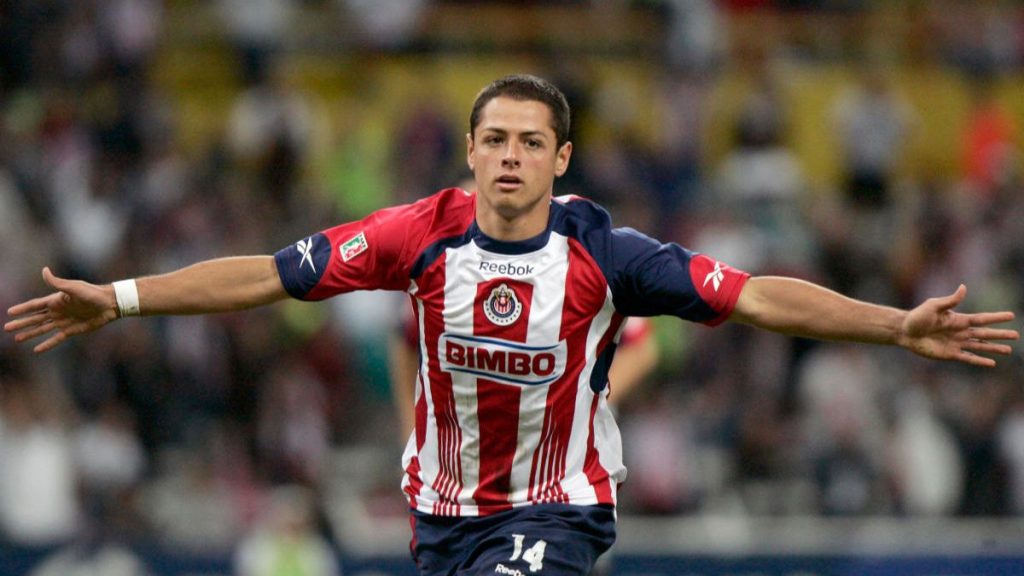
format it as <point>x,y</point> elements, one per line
<point>75,308</point>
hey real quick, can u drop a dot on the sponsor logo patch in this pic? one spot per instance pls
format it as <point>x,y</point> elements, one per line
<point>502,360</point>
<point>503,307</point>
<point>353,247</point>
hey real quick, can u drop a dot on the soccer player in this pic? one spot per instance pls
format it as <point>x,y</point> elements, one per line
<point>517,294</point>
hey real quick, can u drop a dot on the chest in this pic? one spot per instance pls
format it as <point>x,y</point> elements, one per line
<point>536,298</point>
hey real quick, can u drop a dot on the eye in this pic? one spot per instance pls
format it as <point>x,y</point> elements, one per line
<point>534,144</point>
<point>493,139</point>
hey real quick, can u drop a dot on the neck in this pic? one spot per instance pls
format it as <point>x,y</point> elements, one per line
<point>513,228</point>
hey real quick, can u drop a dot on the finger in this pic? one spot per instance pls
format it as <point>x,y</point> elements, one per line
<point>37,331</point>
<point>45,327</point>
<point>993,334</point>
<point>32,306</point>
<point>974,359</point>
<point>25,322</point>
<point>50,343</point>
<point>985,318</point>
<point>986,347</point>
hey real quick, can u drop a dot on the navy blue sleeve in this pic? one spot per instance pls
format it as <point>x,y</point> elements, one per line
<point>302,264</point>
<point>649,278</point>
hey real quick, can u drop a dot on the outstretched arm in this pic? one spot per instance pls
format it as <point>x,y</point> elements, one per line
<point>933,329</point>
<point>77,307</point>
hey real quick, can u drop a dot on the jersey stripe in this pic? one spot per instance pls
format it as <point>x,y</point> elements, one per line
<point>447,479</point>
<point>595,313</point>
<point>498,403</point>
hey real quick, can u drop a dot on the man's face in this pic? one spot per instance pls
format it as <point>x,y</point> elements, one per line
<point>514,156</point>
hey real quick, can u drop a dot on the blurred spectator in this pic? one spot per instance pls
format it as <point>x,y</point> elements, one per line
<point>269,133</point>
<point>39,503</point>
<point>16,223</point>
<point>131,30</point>
<point>292,430</point>
<point>1011,451</point>
<point>694,34</point>
<point>847,479</point>
<point>111,463</point>
<point>257,30</point>
<point>924,461</point>
<point>978,37</point>
<point>976,418</point>
<point>191,505</point>
<point>761,166</point>
<point>386,24</point>
<point>286,541</point>
<point>873,123</point>
<point>660,452</point>
<point>761,181</point>
<point>843,432</point>
<point>678,154</point>
<point>989,142</point>
<point>107,559</point>
<point>426,146</point>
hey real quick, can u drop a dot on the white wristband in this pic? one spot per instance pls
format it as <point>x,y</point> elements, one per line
<point>127,295</point>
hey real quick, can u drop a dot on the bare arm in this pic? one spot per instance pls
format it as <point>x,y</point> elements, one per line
<point>404,370</point>
<point>221,285</point>
<point>632,364</point>
<point>77,307</point>
<point>932,329</point>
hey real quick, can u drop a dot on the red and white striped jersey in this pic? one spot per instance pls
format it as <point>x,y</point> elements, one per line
<point>515,340</point>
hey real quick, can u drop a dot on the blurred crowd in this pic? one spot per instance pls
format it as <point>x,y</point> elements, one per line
<point>191,431</point>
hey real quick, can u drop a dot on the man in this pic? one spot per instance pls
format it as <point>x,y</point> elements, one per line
<point>518,296</point>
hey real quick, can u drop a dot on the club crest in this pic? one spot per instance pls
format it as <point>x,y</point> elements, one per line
<point>354,247</point>
<point>502,307</point>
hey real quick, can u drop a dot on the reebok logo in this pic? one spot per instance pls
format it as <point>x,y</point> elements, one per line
<point>715,276</point>
<point>506,268</point>
<point>305,247</point>
<point>502,569</point>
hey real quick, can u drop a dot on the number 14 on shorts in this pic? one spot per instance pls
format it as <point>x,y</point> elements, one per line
<point>534,555</point>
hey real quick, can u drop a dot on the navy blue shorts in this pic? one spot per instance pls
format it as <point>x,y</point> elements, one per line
<point>540,540</point>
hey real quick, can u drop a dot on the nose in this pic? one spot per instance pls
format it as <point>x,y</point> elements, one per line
<point>511,158</point>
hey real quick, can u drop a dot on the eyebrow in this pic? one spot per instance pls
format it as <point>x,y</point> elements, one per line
<point>504,132</point>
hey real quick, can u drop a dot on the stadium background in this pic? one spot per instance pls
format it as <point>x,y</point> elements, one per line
<point>139,135</point>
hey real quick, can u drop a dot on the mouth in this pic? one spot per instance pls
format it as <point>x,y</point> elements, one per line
<point>509,182</point>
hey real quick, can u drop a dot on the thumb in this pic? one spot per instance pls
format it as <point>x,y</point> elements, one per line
<point>56,282</point>
<point>953,300</point>
<point>51,279</point>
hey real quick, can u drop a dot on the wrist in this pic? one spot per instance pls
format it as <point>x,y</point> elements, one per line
<point>126,294</point>
<point>900,333</point>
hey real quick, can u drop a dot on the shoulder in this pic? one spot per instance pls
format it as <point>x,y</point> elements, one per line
<point>452,198</point>
<point>451,202</point>
<point>441,214</point>
<point>578,217</point>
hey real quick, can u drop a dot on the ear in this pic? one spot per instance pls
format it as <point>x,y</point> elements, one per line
<point>470,150</point>
<point>562,158</point>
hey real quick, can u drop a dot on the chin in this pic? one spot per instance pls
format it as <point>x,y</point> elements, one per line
<point>508,210</point>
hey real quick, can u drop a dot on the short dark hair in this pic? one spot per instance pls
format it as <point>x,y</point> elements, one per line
<point>524,87</point>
